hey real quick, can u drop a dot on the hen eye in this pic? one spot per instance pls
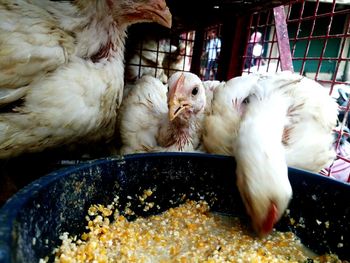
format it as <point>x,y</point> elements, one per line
<point>246,100</point>
<point>195,91</point>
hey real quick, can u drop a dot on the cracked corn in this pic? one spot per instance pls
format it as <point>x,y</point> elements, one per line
<point>187,233</point>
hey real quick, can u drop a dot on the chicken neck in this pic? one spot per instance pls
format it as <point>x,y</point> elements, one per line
<point>179,134</point>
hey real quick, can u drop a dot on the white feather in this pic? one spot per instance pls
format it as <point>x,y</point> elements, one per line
<point>142,112</point>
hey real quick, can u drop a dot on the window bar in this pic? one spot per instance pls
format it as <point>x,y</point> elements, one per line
<point>268,17</point>
<point>340,58</point>
<point>273,27</point>
<point>310,37</point>
<point>246,57</point>
<point>272,45</point>
<point>255,36</point>
<point>340,12</point>
<point>283,39</point>
<point>325,40</point>
<point>299,20</point>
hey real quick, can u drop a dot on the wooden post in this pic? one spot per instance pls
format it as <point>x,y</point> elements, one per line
<point>283,39</point>
<point>235,34</point>
<point>197,51</point>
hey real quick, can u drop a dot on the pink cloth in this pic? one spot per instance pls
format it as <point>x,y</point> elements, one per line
<point>340,169</point>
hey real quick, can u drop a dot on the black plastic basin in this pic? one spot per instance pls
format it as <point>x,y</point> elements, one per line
<point>32,220</point>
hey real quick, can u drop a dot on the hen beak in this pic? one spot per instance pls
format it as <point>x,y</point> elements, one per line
<point>177,103</point>
<point>176,107</point>
<point>156,11</point>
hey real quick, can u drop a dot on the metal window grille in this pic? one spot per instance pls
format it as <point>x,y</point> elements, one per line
<point>319,43</point>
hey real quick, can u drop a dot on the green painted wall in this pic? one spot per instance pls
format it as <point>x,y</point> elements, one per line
<point>316,45</point>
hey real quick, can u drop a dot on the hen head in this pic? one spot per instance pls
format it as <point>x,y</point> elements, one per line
<point>186,96</point>
<point>264,187</point>
<point>138,11</point>
<point>127,12</point>
<point>262,171</point>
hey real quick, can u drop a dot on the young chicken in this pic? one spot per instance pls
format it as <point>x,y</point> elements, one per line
<point>153,119</point>
<point>269,122</point>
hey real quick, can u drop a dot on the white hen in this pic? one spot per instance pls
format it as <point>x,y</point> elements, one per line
<point>268,122</point>
<point>64,60</point>
<point>153,119</point>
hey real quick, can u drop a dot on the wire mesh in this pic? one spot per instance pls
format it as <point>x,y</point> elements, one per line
<point>320,47</point>
<point>159,57</point>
